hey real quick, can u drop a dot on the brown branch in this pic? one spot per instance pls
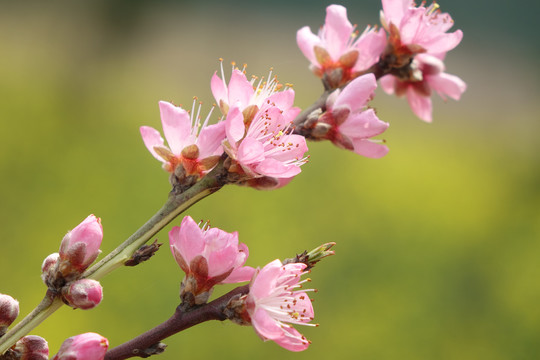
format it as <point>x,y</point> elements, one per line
<point>180,320</point>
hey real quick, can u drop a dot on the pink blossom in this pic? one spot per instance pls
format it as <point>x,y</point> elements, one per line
<point>211,255</point>
<point>87,346</point>
<point>273,304</point>
<point>80,246</point>
<point>252,96</point>
<point>83,294</point>
<point>266,146</point>
<point>196,150</point>
<point>338,47</point>
<point>351,124</point>
<point>418,29</point>
<point>427,76</point>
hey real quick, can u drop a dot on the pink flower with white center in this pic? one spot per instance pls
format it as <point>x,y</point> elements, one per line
<point>252,96</point>
<point>193,145</point>
<point>83,294</point>
<point>80,246</point>
<point>265,147</point>
<point>428,76</point>
<point>347,121</point>
<point>418,29</point>
<point>273,304</point>
<point>337,54</point>
<point>208,256</point>
<point>87,346</point>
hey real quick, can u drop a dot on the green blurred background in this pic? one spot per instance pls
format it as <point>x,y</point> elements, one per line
<point>438,242</point>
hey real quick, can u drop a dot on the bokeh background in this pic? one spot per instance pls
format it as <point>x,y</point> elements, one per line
<point>438,243</point>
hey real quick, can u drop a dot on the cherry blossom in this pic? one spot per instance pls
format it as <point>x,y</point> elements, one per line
<point>252,96</point>
<point>347,121</point>
<point>193,145</point>
<point>273,304</point>
<point>266,146</point>
<point>428,76</point>
<point>338,53</point>
<point>208,256</point>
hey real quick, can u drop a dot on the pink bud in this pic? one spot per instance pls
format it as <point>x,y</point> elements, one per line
<point>87,346</point>
<point>31,347</point>
<point>80,246</point>
<point>9,310</point>
<point>83,294</point>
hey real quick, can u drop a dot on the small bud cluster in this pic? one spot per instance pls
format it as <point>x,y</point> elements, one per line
<point>61,271</point>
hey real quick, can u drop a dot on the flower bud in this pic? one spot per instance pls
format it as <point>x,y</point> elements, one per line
<point>9,310</point>
<point>31,347</point>
<point>83,294</point>
<point>80,246</point>
<point>87,346</point>
<point>49,268</point>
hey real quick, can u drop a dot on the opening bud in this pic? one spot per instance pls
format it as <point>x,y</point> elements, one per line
<point>9,310</point>
<point>80,246</point>
<point>87,346</point>
<point>83,294</point>
<point>31,347</point>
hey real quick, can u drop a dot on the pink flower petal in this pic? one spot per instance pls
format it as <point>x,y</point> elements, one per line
<point>420,105</point>
<point>219,88</point>
<point>292,341</point>
<point>338,31</point>
<point>306,41</point>
<point>250,151</point>
<point>394,10</point>
<point>388,83</point>
<point>283,100</point>
<point>266,278</point>
<point>295,149</point>
<point>363,125</point>
<point>370,47</point>
<point>446,84</point>
<point>176,124</point>
<point>357,93</point>
<point>151,138</point>
<point>445,42</point>
<point>241,274</point>
<point>369,148</point>
<point>187,238</point>
<point>240,89</point>
<point>274,168</point>
<point>265,325</point>
<point>234,126</point>
<point>210,139</point>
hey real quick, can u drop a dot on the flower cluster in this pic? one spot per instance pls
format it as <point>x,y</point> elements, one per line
<point>407,53</point>
<point>417,44</point>
<point>78,250</point>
